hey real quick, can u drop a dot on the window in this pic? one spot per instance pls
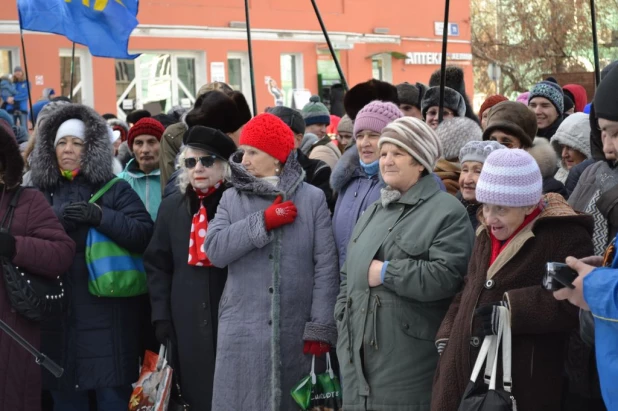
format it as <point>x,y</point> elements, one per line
<point>65,78</point>
<point>238,74</point>
<point>381,65</point>
<point>291,76</point>
<point>234,73</point>
<point>185,68</point>
<point>7,61</point>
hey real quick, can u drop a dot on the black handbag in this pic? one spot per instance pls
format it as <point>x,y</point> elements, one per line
<point>32,296</point>
<point>486,397</point>
<point>177,403</point>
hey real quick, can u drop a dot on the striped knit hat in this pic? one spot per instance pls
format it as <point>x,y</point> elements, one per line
<point>510,178</point>
<point>315,112</point>
<point>415,137</point>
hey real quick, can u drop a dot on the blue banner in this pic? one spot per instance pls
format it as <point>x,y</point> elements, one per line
<point>104,26</point>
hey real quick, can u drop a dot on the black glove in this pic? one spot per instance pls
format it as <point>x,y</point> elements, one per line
<point>490,317</point>
<point>85,213</point>
<point>164,331</point>
<point>7,245</point>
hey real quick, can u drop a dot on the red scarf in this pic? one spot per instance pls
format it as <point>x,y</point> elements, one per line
<point>199,227</point>
<point>498,246</point>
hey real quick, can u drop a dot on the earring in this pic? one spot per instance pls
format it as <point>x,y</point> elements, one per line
<point>277,170</point>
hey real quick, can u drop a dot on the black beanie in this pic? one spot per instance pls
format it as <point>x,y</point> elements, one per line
<point>606,98</point>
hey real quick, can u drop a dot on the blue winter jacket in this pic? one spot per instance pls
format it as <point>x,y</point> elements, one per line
<point>601,294</point>
<point>147,186</point>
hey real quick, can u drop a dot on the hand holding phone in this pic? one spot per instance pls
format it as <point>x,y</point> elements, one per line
<point>558,276</point>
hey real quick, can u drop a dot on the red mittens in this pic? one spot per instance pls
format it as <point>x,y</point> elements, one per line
<point>279,214</point>
<point>316,348</point>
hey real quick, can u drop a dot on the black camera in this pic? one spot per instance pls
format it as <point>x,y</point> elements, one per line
<point>558,276</point>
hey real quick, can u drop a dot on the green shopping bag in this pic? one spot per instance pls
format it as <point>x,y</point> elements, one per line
<point>319,392</point>
<point>113,271</point>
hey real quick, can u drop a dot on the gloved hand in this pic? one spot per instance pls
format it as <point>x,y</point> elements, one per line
<point>278,214</point>
<point>7,245</point>
<point>441,345</point>
<point>316,348</point>
<point>83,212</point>
<point>490,318</point>
<point>164,330</point>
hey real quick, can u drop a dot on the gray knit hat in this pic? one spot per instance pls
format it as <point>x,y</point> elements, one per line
<point>293,118</point>
<point>411,94</point>
<point>454,133</point>
<point>551,91</point>
<point>346,125</point>
<point>452,100</point>
<point>415,137</point>
<point>574,132</point>
<point>315,112</point>
<point>478,151</point>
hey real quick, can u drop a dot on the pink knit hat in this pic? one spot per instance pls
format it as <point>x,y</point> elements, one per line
<point>510,178</point>
<point>375,116</point>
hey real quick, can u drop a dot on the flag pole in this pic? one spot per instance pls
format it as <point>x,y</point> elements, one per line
<point>443,61</point>
<point>330,45</point>
<point>250,49</point>
<point>72,72</point>
<point>23,52</point>
<point>595,44</point>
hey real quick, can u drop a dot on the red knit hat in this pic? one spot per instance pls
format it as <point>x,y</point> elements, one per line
<point>490,102</point>
<point>270,134</point>
<point>146,126</point>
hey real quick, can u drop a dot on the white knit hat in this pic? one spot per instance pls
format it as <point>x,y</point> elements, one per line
<point>478,151</point>
<point>415,137</point>
<point>510,178</point>
<point>71,128</point>
<point>455,132</point>
<point>574,132</point>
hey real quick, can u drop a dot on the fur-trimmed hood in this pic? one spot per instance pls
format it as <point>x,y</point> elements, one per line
<point>10,158</point>
<point>347,168</point>
<point>545,157</point>
<point>97,156</point>
<point>292,176</point>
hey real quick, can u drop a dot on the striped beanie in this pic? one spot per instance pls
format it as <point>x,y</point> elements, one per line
<point>510,178</point>
<point>375,116</point>
<point>415,137</point>
<point>551,91</point>
<point>315,112</point>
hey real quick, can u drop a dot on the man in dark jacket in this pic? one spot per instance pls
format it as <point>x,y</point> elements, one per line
<point>317,172</point>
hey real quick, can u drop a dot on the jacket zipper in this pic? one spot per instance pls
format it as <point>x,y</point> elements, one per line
<point>374,339</point>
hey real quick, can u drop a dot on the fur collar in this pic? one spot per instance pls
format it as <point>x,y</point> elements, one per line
<point>545,157</point>
<point>347,168</point>
<point>97,156</point>
<point>292,176</point>
<point>10,158</point>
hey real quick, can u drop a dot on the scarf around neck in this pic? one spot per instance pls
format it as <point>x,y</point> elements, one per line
<point>69,174</point>
<point>199,228</point>
<point>370,169</point>
<point>498,246</point>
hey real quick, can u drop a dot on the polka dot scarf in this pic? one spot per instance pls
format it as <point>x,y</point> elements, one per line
<point>199,227</point>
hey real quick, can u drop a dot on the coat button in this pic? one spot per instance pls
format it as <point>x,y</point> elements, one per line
<point>205,323</point>
<point>270,322</point>
<point>270,256</point>
<point>271,290</point>
<point>363,310</point>
<point>489,284</point>
<point>406,326</point>
<point>475,341</point>
<point>204,305</point>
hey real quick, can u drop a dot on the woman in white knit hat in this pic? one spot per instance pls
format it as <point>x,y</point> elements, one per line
<point>520,231</point>
<point>406,260</point>
<point>572,143</point>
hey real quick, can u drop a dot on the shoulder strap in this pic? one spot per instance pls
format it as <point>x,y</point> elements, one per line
<point>104,189</point>
<point>8,216</point>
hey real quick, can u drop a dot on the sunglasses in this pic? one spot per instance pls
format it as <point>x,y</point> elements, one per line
<point>207,161</point>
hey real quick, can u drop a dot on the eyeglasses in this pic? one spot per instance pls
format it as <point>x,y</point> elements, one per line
<point>207,161</point>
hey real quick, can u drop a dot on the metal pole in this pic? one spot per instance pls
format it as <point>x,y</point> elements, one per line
<point>595,44</point>
<point>330,45</point>
<point>443,62</point>
<point>23,52</point>
<point>72,72</point>
<point>251,74</point>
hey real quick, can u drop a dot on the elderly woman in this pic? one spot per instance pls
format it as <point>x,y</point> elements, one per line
<point>406,260</point>
<point>273,232</point>
<point>454,106</point>
<point>185,288</point>
<point>520,231</point>
<point>572,143</point>
<point>97,341</point>
<point>34,232</point>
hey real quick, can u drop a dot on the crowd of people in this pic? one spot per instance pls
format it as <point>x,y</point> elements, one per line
<point>391,239</point>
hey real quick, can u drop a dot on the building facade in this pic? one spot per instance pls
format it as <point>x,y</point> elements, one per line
<point>187,43</point>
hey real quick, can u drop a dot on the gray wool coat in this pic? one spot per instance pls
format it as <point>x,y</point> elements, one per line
<point>281,289</point>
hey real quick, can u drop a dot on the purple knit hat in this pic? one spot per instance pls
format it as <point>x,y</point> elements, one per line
<point>510,178</point>
<point>375,116</point>
<point>523,98</point>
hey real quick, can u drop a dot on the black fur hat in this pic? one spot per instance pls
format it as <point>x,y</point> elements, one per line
<point>455,80</point>
<point>135,116</point>
<point>219,110</point>
<point>364,93</point>
<point>11,161</point>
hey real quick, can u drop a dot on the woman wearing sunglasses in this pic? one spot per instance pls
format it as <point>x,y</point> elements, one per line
<point>185,288</point>
<point>273,232</point>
